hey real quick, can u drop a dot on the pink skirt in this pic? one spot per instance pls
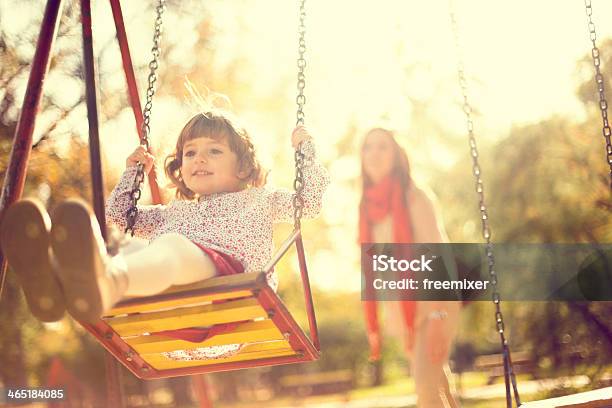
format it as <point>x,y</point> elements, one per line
<point>225,265</point>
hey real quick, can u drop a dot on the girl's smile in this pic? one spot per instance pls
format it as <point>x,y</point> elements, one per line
<point>209,166</point>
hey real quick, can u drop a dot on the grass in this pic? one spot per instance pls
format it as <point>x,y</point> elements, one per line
<point>398,387</point>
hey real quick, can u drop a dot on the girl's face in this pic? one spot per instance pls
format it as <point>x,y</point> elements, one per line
<point>377,155</point>
<point>209,166</point>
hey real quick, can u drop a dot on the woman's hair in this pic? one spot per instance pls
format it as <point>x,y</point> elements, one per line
<point>217,125</point>
<point>401,165</point>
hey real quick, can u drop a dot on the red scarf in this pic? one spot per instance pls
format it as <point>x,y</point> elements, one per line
<point>379,201</point>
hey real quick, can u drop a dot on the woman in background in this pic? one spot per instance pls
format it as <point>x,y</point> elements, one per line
<point>394,210</point>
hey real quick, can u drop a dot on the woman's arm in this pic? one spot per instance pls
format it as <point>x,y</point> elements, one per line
<point>426,220</point>
<point>441,316</point>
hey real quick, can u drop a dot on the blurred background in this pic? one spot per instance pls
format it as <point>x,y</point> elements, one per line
<point>393,63</point>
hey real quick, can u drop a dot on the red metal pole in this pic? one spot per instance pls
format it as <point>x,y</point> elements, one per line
<point>126,59</point>
<point>114,396</point>
<point>312,320</point>
<point>14,179</point>
<point>200,386</point>
<point>128,68</point>
<point>91,95</point>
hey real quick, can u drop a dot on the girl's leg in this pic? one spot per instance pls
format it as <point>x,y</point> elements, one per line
<point>93,281</point>
<point>171,259</point>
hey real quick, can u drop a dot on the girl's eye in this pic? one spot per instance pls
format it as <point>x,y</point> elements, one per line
<point>189,153</point>
<point>216,151</point>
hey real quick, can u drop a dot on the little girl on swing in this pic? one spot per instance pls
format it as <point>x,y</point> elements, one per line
<point>220,223</point>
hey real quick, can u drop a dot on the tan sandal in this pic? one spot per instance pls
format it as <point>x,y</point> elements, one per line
<point>24,236</point>
<point>84,267</point>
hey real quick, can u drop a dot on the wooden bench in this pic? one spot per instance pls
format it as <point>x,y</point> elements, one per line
<point>307,384</point>
<point>601,398</point>
<point>493,364</point>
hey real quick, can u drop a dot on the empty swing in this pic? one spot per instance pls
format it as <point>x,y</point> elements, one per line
<point>587,399</point>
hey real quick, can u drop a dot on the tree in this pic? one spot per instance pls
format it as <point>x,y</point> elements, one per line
<point>546,183</point>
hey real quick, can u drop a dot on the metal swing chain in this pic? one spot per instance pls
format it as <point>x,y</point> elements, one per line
<point>136,192</point>
<point>486,231</point>
<point>599,79</point>
<point>298,183</point>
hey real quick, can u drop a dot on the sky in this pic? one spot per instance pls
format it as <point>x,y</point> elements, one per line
<point>365,61</point>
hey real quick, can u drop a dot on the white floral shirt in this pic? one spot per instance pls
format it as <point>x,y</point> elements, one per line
<point>237,223</point>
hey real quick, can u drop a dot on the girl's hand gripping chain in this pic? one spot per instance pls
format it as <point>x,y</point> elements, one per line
<point>299,134</point>
<point>140,155</point>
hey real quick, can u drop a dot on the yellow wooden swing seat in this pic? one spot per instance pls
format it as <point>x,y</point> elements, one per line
<point>268,331</point>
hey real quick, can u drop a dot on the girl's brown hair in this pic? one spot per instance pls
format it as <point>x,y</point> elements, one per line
<point>401,165</point>
<point>215,125</point>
